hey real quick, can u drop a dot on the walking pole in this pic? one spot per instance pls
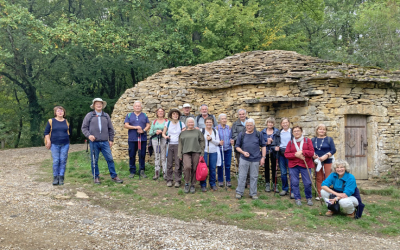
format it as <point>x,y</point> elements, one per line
<point>276,171</point>
<point>208,159</point>
<point>159,156</point>
<point>166,155</point>
<point>93,165</point>
<point>234,160</point>
<point>308,171</point>
<point>269,162</point>
<point>140,150</point>
<point>290,187</point>
<point>223,167</point>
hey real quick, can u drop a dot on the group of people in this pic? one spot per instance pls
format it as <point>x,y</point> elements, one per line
<point>181,138</point>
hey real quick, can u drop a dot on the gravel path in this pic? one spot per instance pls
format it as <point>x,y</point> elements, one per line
<point>35,216</point>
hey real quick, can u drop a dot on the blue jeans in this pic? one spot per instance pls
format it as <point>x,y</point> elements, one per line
<point>227,162</point>
<point>60,155</point>
<point>295,181</point>
<point>104,147</point>
<point>133,148</point>
<point>211,169</point>
<point>283,165</point>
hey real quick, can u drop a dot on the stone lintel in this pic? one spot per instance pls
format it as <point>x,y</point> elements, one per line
<point>277,99</point>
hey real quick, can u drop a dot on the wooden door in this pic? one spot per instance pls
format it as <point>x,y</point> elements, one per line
<point>356,145</point>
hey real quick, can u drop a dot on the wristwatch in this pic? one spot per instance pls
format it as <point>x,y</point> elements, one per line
<point>264,157</point>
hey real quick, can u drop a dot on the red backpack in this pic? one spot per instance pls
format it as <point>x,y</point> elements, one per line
<point>202,170</point>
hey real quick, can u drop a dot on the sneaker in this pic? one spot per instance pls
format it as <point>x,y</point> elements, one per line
<point>142,174</point>
<point>317,198</point>
<point>298,202</point>
<point>169,184</point>
<point>177,184</point>
<point>55,180</point>
<point>155,177</point>
<point>186,188</point>
<point>309,202</point>
<point>276,188</point>
<point>283,193</point>
<point>351,215</point>
<point>116,179</point>
<point>220,184</point>
<point>203,189</point>
<point>254,197</point>
<point>267,187</point>
<point>60,180</point>
<point>228,184</point>
<point>192,189</point>
<point>132,176</point>
<point>238,196</point>
<point>214,188</point>
<point>291,195</point>
<point>329,213</point>
<point>97,181</point>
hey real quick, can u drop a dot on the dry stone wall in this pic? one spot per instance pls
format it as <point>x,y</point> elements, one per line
<point>280,84</point>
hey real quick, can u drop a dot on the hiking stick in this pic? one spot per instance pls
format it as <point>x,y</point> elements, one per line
<point>269,162</point>
<point>140,150</point>
<point>276,171</point>
<point>208,159</point>
<point>308,171</point>
<point>234,160</point>
<point>223,167</point>
<point>94,165</point>
<point>87,146</point>
<point>290,187</point>
<point>166,155</point>
<point>159,157</point>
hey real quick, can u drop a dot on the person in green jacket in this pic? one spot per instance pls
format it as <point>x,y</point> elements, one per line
<point>191,145</point>
<point>159,142</point>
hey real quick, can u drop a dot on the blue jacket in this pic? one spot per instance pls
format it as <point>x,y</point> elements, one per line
<point>347,184</point>
<point>276,139</point>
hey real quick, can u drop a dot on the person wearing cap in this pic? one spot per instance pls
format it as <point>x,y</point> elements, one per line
<point>186,113</point>
<point>137,124</point>
<point>171,132</point>
<point>201,119</point>
<point>97,127</point>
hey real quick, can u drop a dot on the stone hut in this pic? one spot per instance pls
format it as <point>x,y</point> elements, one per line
<point>359,105</point>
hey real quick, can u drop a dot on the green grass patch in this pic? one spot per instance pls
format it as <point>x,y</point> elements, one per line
<point>270,212</point>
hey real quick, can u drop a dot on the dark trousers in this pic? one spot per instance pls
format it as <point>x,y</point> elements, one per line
<point>133,148</point>
<point>270,157</point>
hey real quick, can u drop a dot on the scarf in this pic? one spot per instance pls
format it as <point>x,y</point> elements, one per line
<point>301,140</point>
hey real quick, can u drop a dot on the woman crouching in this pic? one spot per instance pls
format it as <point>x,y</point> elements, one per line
<point>344,188</point>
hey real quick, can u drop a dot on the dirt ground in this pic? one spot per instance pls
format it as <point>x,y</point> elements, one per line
<point>36,215</point>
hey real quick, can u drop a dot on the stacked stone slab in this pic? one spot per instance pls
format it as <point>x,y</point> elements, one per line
<point>276,83</point>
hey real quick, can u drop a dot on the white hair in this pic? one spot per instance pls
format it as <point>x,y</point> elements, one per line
<point>250,120</point>
<point>242,110</point>
<point>187,119</point>
<point>203,105</point>
<point>138,102</point>
<point>221,115</point>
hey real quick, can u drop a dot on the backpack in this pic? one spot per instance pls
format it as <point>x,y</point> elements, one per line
<point>51,128</point>
<point>257,133</point>
<point>203,131</point>
<point>95,115</point>
<point>202,170</point>
<point>180,124</point>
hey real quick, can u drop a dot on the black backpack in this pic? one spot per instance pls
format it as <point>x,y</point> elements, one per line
<point>203,130</point>
<point>258,134</point>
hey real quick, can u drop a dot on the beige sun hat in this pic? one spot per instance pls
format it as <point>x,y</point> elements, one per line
<point>98,100</point>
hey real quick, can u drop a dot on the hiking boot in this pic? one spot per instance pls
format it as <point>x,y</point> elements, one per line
<point>329,213</point>
<point>283,193</point>
<point>254,197</point>
<point>97,181</point>
<point>60,180</point>
<point>291,195</point>
<point>203,189</point>
<point>169,184</point>
<point>55,180</point>
<point>309,202</point>
<point>228,184</point>
<point>142,174</point>
<point>351,215</point>
<point>220,184</point>
<point>214,188</point>
<point>186,188</point>
<point>267,187</point>
<point>132,176</point>
<point>275,188</point>
<point>238,196</point>
<point>298,202</point>
<point>192,189</point>
<point>116,179</point>
<point>177,184</point>
<point>155,177</point>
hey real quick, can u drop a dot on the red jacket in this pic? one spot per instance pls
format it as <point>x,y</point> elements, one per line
<point>308,152</point>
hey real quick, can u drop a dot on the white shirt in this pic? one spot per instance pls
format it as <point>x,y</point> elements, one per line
<point>214,143</point>
<point>174,130</point>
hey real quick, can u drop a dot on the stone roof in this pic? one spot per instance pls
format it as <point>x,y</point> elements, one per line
<point>274,66</point>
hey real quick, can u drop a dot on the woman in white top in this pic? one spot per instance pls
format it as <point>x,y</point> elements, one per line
<point>210,153</point>
<point>171,132</point>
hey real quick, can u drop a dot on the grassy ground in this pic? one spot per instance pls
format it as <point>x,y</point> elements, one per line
<point>271,212</point>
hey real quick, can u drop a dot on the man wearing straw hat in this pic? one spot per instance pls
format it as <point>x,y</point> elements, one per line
<point>97,127</point>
